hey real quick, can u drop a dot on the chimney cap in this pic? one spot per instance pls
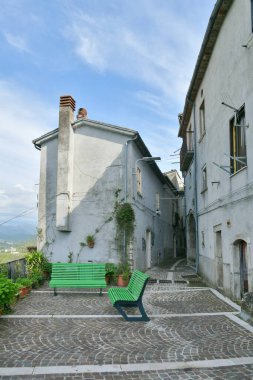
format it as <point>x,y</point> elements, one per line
<point>67,101</point>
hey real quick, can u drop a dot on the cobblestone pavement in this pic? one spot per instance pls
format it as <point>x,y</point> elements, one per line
<point>243,372</point>
<point>192,334</point>
<point>176,302</point>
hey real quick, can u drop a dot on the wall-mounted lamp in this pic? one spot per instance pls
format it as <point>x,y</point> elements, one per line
<point>146,159</point>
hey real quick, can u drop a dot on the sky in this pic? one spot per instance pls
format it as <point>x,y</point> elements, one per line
<point>128,62</point>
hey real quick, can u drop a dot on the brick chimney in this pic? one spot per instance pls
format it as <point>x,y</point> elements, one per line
<point>65,162</point>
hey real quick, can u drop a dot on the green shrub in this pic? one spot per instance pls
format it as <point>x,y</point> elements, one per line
<point>36,278</point>
<point>124,270</point>
<point>36,263</point>
<point>110,269</point>
<point>4,270</point>
<point>24,282</point>
<point>47,267</point>
<point>8,292</point>
<point>125,217</point>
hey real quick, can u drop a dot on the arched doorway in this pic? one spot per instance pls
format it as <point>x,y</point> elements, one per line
<point>191,238</point>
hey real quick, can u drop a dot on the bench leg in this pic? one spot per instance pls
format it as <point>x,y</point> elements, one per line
<point>100,293</point>
<point>55,294</point>
<point>143,312</point>
<point>143,317</point>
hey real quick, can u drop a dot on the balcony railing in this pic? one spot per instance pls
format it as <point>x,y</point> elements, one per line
<point>187,151</point>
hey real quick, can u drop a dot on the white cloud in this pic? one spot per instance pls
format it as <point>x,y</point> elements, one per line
<point>23,117</point>
<point>156,103</point>
<point>162,56</point>
<point>21,187</point>
<point>17,42</point>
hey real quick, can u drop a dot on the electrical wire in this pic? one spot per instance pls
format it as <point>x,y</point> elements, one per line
<point>19,215</point>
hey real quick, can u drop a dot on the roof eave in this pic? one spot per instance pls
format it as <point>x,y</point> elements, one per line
<point>216,20</point>
<point>98,124</point>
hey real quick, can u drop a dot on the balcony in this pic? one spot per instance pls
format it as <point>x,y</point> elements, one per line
<point>186,152</point>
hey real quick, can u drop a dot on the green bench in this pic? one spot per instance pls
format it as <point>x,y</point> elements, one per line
<point>78,275</point>
<point>131,296</point>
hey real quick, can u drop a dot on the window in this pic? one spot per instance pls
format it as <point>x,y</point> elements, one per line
<point>189,137</point>
<point>204,179</point>
<point>157,202</point>
<point>139,184</point>
<point>203,238</point>
<point>238,159</point>
<point>202,126</point>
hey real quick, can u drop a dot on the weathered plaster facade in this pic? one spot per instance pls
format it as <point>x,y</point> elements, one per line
<point>86,167</point>
<point>219,198</point>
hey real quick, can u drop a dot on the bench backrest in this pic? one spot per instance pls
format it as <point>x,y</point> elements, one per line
<point>137,283</point>
<point>76,271</point>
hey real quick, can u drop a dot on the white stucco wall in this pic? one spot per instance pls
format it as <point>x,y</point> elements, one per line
<point>98,173</point>
<point>226,204</point>
<point>160,226</point>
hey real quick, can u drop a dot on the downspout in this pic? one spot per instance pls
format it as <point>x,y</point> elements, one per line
<point>195,188</point>
<point>125,196</point>
<point>125,183</point>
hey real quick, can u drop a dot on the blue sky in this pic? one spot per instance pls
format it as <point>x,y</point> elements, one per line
<point>128,62</point>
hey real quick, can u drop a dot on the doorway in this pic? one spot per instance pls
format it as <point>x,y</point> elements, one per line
<point>148,249</point>
<point>191,238</point>
<point>243,267</point>
<point>219,259</point>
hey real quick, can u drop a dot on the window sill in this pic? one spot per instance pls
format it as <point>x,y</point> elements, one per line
<point>238,171</point>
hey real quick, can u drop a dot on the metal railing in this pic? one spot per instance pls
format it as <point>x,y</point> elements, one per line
<point>15,268</point>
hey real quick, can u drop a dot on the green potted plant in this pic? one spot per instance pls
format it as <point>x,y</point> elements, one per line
<point>36,279</point>
<point>35,262</point>
<point>24,285</point>
<point>90,240</point>
<point>123,274</point>
<point>109,272</point>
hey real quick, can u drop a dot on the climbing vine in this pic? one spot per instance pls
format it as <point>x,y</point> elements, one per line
<point>125,218</point>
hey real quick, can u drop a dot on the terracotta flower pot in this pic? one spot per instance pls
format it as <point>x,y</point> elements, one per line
<point>121,282</point>
<point>107,279</point>
<point>23,292</point>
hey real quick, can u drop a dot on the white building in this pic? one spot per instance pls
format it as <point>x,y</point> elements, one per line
<point>87,169</point>
<point>217,151</point>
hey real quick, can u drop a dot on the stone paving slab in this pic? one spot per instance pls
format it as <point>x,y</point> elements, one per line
<point>196,336</point>
<point>33,342</point>
<point>69,303</point>
<point>179,270</point>
<point>243,372</point>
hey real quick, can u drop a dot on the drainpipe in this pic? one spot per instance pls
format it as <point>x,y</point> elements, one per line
<point>125,195</point>
<point>195,188</point>
<point>125,183</point>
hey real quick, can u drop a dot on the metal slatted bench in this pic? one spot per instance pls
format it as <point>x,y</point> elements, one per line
<point>131,296</point>
<point>78,275</point>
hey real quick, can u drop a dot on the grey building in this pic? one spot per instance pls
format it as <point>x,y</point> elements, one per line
<point>217,151</point>
<point>89,169</point>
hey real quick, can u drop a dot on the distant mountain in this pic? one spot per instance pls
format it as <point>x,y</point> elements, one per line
<point>17,232</point>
